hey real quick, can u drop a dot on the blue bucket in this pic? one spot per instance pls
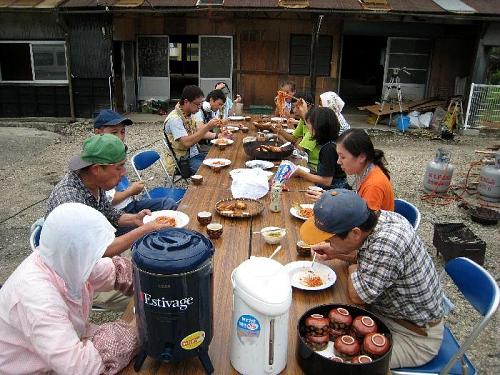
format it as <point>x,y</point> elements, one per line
<point>403,123</point>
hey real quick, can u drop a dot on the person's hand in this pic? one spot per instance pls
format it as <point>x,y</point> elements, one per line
<point>140,216</point>
<point>153,225</point>
<point>237,99</point>
<point>136,187</point>
<point>323,251</point>
<point>299,172</point>
<point>213,123</point>
<point>301,108</point>
<point>224,122</point>
<point>225,134</point>
<point>314,194</point>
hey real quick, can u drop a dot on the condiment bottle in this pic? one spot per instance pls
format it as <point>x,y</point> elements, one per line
<point>275,205</point>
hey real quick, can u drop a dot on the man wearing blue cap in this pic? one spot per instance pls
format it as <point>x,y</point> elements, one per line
<point>391,271</point>
<point>123,196</point>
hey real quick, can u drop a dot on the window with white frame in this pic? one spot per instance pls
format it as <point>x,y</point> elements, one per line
<point>38,62</point>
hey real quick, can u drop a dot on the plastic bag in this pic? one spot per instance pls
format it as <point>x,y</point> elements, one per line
<point>284,172</point>
<point>251,184</point>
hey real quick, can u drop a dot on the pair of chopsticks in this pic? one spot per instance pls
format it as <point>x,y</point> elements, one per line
<point>295,98</point>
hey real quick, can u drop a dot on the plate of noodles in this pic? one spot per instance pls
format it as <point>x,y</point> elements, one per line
<point>302,211</point>
<point>303,277</point>
<point>174,219</point>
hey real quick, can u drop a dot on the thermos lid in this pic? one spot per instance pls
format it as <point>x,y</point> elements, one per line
<point>172,250</point>
<point>264,284</point>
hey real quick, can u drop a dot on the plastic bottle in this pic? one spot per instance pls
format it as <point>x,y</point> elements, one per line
<point>275,205</point>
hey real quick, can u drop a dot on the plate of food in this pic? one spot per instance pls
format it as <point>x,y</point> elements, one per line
<point>236,118</point>
<point>289,131</point>
<point>302,276</point>
<point>239,207</point>
<point>232,128</point>
<point>217,162</point>
<point>278,119</point>
<point>302,211</point>
<point>262,164</point>
<point>222,141</point>
<point>175,219</point>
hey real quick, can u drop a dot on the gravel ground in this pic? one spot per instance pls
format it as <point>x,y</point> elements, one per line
<point>28,179</point>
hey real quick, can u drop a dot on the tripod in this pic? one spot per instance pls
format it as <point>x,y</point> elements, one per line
<point>393,85</point>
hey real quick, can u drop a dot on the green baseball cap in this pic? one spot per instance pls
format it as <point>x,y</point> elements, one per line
<point>99,149</point>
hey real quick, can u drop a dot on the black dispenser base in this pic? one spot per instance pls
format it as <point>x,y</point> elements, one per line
<point>204,359</point>
<point>206,362</point>
<point>139,360</point>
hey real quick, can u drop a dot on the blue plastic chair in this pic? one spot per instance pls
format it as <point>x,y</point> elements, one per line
<point>36,229</point>
<point>145,159</point>
<point>123,184</point>
<point>482,292</point>
<point>409,211</point>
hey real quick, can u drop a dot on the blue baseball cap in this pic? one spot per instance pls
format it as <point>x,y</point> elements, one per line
<point>336,211</point>
<point>107,117</point>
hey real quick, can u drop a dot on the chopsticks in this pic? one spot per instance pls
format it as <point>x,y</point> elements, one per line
<point>275,252</point>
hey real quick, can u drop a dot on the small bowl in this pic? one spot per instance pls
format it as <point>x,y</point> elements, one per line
<point>197,179</point>
<point>303,249</point>
<point>273,235</point>
<point>214,230</point>
<point>204,217</point>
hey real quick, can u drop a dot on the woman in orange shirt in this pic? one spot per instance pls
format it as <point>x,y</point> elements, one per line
<point>358,157</point>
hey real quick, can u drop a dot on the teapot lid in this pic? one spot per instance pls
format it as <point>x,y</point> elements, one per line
<point>265,281</point>
<point>171,250</point>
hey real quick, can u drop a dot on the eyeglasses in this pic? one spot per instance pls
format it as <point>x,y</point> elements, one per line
<point>197,104</point>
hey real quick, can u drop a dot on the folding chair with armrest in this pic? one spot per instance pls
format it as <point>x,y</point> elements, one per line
<point>143,160</point>
<point>482,292</point>
<point>177,171</point>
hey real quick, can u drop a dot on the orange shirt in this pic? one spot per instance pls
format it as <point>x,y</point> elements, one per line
<point>377,191</point>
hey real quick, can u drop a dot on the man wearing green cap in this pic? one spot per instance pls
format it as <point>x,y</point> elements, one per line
<point>98,168</point>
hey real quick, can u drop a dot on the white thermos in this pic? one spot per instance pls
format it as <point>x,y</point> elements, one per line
<point>262,295</point>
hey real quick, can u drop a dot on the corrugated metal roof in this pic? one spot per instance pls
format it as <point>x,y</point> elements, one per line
<point>490,7</point>
<point>38,4</point>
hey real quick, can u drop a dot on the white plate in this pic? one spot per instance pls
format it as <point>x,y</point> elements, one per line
<point>295,212</point>
<point>263,164</point>
<point>181,219</point>
<point>278,119</point>
<point>236,118</point>
<point>217,162</point>
<point>232,128</point>
<point>297,270</point>
<point>289,131</point>
<point>234,172</point>
<point>218,140</point>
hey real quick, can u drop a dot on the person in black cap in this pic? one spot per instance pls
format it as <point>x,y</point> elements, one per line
<point>122,196</point>
<point>391,271</point>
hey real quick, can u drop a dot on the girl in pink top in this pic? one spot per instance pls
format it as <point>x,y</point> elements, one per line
<point>45,303</point>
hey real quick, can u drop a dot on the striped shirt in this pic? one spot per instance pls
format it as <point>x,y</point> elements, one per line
<point>396,275</point>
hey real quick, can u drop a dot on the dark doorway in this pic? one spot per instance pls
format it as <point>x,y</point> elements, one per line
<point>117,77</point>
<point>183,58</point>
<point>362,73</point>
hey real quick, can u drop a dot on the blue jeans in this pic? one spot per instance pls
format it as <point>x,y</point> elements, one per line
<point>153,204</point>
<point>195,162</point>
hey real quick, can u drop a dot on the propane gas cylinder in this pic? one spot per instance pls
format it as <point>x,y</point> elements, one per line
<point>438,172</point>
<point>489,181</point>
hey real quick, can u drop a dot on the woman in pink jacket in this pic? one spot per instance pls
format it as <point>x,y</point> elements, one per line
<point>45,303</point>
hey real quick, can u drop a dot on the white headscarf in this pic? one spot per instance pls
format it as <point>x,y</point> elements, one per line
<point>73,238</point>
<point>331,100</point>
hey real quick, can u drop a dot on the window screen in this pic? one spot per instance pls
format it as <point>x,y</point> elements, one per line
<point>300,54</point>
<point>49,61</point>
